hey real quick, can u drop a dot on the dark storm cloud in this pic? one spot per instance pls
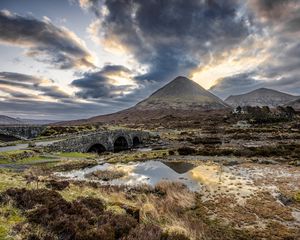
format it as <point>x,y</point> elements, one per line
<point>114,69</point>
<point>275,10</point>
<point>293,25</point>
<point>44,41</point>
<point>11,79</point>
<point>170,37</point>
<point>271,5</point>
<point>235,85</point>
<point>246,82</point>
<point>19,77</point>
<point>100,84</point>
<point>51,91</point>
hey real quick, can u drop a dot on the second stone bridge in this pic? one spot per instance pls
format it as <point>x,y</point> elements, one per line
<point>99,142</point>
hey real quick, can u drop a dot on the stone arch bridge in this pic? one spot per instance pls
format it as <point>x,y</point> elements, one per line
<point>113,141</point>
<point>13,133</point>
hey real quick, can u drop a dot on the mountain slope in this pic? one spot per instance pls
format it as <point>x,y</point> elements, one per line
<point>294,104</point>
<point>5,120</point>
<point>260,97</point>
<point>36,121</point>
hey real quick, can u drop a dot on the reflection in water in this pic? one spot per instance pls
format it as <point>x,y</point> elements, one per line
<point>205,178</point>
<point>180,167</point>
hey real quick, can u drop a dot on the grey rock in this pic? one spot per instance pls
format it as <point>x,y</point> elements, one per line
<point>231,163</point>
<point>284,199</point>
<point>267,161</point>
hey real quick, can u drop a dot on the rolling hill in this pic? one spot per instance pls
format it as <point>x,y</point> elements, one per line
<point>260,97</point>
<point>294,104</point>
<point>5,120</point>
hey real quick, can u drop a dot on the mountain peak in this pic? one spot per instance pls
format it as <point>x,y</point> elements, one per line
<point>180,78</point>
<point>182,93</point>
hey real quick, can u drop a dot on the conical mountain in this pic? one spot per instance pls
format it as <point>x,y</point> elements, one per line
<point>260,97</point>
<point>183,94</point>
<point>179,98</point>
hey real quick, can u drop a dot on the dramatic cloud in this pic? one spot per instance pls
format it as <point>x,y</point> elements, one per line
<point>45,87</point>
<point>276,59</point>
<point>110,82</point>
<point>275,10</point>
<point>169,37</point>
<point>227,46</point>
<point>44,41</point>
<point>18,77</point>
<point>17,94</point>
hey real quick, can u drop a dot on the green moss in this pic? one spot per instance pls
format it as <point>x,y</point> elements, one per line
<point>137,156</point>
<point>76,155</point>
<point>32,160</point>
<point>4,161</point>
<point>10,153</point>
<point>13,156</point>
<point>9,217</point>
<point>10,179</point>
<point>297,197</point>
<point>24,157</point>
<point>115,209</point>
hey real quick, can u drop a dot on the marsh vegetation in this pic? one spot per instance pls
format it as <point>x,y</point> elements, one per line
<point>195,181</point>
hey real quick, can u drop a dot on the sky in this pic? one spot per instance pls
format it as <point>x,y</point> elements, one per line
<point>71,59</point>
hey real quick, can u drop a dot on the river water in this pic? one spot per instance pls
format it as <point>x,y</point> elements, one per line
<point>22,146</point>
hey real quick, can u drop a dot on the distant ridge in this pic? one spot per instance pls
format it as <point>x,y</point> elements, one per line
<point>5,120</point>
<point>260,97</point>
<point>294,104</point>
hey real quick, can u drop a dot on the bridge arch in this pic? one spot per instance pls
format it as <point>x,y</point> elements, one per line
<point>96,148</point>
<point>120,144</point>
<point>136,141</point>
<point>117,140</point>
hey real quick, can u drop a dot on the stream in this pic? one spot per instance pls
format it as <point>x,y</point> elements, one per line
<point>22,146</point>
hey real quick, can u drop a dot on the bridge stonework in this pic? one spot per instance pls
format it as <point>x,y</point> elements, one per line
<point>106,139</point>
<point>22,132</point>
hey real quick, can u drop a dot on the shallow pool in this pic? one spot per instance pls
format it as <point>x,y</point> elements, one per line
<point>206,178</point>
